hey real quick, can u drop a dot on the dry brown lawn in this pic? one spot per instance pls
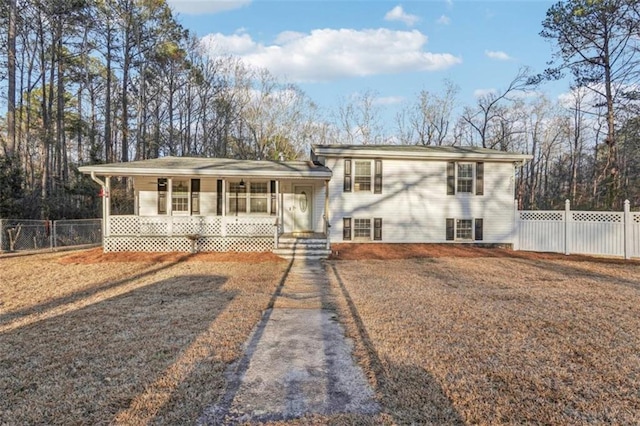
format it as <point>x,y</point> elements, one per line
<point>88,338</point>
<point>446,334</point>
<point>484,336</point>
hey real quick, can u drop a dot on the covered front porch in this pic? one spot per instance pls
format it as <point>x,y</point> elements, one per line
<point>197,204</point>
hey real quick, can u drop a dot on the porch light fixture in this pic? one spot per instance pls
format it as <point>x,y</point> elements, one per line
<point>241,183</point>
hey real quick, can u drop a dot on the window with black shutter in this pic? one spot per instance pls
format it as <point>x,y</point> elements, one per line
<point>451,178</point>
<point>195,196</point>
<point>346,228</point>
<point>162,195</point>
<point>347,175</point>
<point>479,178</point>
<point>377,182</point>
<point>450,229</point>
<point>377,229</point>
<point>478,230</point>
<point>219,197</point>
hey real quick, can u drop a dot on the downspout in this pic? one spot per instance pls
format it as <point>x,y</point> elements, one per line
<point>104,203</point>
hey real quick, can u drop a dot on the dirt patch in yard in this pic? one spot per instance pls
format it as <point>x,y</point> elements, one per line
<point>496,340</point>
<point>382,251</point>
<point>138,342</point>
<point>98,256</point>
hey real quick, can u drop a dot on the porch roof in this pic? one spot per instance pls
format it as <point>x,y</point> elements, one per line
<point>214,167</point>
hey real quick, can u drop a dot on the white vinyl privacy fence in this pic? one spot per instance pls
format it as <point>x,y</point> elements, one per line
<point>580,232</point>
<point>23,234</point>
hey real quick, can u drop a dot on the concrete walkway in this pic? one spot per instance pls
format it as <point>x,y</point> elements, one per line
<point>296,362</point>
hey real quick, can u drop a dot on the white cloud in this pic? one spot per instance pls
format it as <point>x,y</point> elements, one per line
<point>238,44</point>
<point>327,54</point>
<point>443,20</point>
<point>479,93</point>
<point>497,55</point>
<point>288,36</point>
<point>200,7</point>
<point>398,14</point>
<point>388,100</point>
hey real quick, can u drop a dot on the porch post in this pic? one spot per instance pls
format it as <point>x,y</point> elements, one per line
<point>326,213</point>
<point>107,206</point>
<point>223,223</point>
<point>567,224</point>
<point>277,225</point>
<point>170,206</point>
<point>281,205</point>
<point>627,229</point>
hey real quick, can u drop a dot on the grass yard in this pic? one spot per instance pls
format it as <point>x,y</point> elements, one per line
<point>446,335</point>
<point>495,337</point>
<point>88,338</point>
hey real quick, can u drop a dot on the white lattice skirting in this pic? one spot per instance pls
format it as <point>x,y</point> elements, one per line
<point>184,244</point>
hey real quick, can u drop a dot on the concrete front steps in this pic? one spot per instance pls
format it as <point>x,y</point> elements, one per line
<point>291,247</point>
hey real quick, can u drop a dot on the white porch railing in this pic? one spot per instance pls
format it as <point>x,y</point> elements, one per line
<point>584,232</point>
<point>205,226</point>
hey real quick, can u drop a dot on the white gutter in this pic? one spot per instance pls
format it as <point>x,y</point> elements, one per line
<point>98,181</point>
<point>104,204</point>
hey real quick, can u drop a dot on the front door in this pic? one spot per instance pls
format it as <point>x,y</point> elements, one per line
<point>302,208</point>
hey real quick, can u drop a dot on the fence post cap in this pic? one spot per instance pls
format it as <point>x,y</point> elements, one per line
<point>627,202</point>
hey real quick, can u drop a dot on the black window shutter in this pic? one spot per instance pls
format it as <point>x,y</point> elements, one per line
<point>346,228</point>
<point>219,197</point>
<point>377,181</point>
<point>347,175</point>
<point>162,195</point>
<point>195,196</point>
<point>479,178</point>
<point>377,229</point>
<point>450,230</point>
<point>451,178</point>
<point>272,190</point>
<point>478,230</point>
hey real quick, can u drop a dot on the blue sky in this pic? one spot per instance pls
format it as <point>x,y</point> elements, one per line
<point>334,49</point>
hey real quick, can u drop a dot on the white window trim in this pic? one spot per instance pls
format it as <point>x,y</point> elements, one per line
<point>353,230</point>
<point>171,195</point>
<point>371,175</point>
<point>455,229</point>
<point>473,178</point>
<point>231,198</point>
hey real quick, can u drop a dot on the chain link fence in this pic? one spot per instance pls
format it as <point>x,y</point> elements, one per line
<point>24,234</point>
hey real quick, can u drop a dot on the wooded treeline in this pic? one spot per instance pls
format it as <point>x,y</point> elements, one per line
<point>91,81</point>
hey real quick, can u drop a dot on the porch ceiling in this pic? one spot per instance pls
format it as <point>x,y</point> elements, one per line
<point>214,167</point>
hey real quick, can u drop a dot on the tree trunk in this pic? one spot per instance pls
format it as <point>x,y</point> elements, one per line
<point>11,74</point>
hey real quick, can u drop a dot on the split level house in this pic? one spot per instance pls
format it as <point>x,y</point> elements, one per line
<point>344,193</point>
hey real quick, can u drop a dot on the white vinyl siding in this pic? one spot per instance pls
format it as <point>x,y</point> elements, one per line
<point>415,205</point>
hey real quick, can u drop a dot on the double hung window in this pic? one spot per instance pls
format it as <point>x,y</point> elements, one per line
<point>249,197</point>
<point>360,174</point>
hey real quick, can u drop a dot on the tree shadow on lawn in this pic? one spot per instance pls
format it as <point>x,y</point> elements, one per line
<point>407,392</point>
<point>87,365</point>
<point>571,268</point>
<point>82,294</point>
